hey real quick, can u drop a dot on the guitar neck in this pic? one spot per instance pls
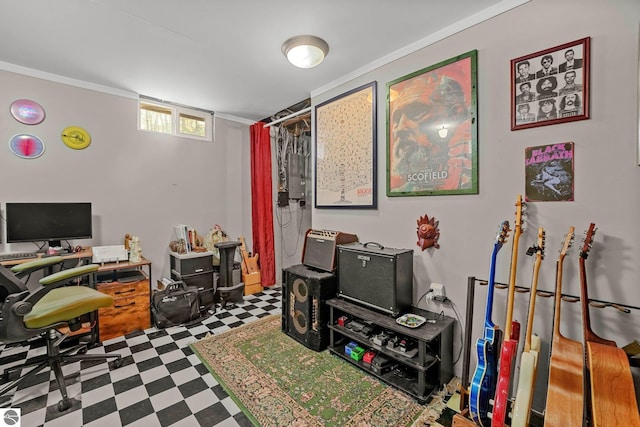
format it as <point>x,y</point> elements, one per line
<point>488,323</point>
<point>512,284</point>
<point>532,304</point>
<point>588,334</point>
<point>558,298</point>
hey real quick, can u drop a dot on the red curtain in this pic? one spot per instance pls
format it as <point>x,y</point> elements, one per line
<point>261,202</point>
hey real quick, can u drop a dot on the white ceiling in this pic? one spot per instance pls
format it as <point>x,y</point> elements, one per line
<point>221,55</point>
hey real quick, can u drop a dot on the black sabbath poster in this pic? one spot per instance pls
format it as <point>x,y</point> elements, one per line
<point>549,173</point>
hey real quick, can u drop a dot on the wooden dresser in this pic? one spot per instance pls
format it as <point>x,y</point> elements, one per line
<point>130,288</point>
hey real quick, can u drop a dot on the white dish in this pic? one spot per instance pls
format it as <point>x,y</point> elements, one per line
<point>410,320</point>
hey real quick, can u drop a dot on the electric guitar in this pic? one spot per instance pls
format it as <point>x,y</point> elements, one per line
<point>610,398</point>
<point>564,395</point>
<point>531,352</point>
<point>484,378</point>
<point>249,263</point>
<point>511,333</point>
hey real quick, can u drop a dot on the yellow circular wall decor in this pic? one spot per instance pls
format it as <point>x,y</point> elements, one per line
<point>76,137</point>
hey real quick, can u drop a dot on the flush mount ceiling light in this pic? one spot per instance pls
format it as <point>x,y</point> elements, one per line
<point>305,51</point>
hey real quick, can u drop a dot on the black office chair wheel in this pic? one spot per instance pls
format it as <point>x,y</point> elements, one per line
<point>63,405</point>
<point>117,363</point>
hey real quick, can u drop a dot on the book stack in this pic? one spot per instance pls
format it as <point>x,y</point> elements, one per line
<point>186,237</point>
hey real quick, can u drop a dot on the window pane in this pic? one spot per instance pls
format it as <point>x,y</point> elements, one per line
<point>156,119</point>
<point>192,125</point>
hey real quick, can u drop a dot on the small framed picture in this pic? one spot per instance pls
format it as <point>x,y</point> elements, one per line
<point>550,86</point>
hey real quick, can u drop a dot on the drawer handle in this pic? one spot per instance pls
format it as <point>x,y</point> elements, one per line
<point>126,305</point>
<point>124,292</point>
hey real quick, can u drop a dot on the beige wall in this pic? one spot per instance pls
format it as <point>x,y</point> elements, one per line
<point>138,182</point>
<point>606,172</point>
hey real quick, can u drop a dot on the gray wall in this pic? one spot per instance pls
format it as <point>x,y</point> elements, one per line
<point>143,184</point>
<point>138,182</point>
<point>606,173</point>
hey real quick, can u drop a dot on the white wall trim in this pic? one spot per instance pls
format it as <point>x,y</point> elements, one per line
<point>234,118</point>
<point>6,66</point>
<point>459,26</point>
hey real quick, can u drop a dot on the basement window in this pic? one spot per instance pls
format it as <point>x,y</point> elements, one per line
<point>172,119</point>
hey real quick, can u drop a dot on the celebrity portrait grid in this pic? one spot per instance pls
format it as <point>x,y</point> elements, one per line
<point>549,86</point>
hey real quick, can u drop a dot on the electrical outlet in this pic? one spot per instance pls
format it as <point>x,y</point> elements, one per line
<point>437,289</point>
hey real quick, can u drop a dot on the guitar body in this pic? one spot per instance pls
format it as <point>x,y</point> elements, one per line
<point>612,389</point>
<point>249,262</point>
<point>501,400</point>
<point>564,396</point>
<point>483,383</point>
<point>526,382</point>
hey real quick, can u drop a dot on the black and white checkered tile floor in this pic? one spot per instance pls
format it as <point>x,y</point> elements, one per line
<point>161,382</point>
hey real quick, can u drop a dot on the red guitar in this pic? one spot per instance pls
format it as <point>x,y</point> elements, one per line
<point>511,333</point>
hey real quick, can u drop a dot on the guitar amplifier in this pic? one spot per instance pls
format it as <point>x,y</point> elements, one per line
<point>375,276</point>
<point>320,248</point>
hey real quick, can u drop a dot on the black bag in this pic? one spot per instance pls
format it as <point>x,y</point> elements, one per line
<point>177,304</point>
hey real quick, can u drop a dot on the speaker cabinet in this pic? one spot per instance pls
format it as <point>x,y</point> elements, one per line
<point>304,311</point>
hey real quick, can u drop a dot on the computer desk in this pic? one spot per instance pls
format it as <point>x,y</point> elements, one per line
<point>111,286</point>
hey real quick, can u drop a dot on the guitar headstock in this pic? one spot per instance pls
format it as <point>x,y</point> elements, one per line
<point>588,240</point>
<point>538,248</point>
<point>503,233</point>
<point>520,223</point>
<point>568,241</point>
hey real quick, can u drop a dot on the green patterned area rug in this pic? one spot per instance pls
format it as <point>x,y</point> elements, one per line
<point>276,381</point>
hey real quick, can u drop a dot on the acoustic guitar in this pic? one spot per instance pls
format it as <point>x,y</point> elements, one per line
<point>511,333</point>
<point>564,396</point>
<point>608,384</point>
<point>484,378</point>
<point>531,351</point>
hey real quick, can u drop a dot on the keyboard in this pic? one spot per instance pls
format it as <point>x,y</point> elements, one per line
<point>17,255</point>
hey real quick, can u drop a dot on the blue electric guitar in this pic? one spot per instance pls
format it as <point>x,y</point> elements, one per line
<point>484,379</point>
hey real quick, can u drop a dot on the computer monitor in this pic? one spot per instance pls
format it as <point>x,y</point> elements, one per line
<point>48,222</point>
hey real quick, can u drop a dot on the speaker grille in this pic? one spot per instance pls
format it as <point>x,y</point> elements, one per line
<point>305,314</point>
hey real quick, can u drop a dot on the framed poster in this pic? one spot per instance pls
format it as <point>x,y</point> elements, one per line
<point>549,173</point>
<point>550,86</point>
<point>432,130</point>
<point>346,150</point>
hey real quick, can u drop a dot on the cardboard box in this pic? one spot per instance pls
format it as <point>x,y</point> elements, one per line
<point>252,283</point>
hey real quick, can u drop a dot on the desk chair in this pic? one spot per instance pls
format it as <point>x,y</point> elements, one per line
<point>27,314</point>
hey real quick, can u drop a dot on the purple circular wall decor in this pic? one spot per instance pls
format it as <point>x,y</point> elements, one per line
<point>26,146</point>
<point>27,111</point>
